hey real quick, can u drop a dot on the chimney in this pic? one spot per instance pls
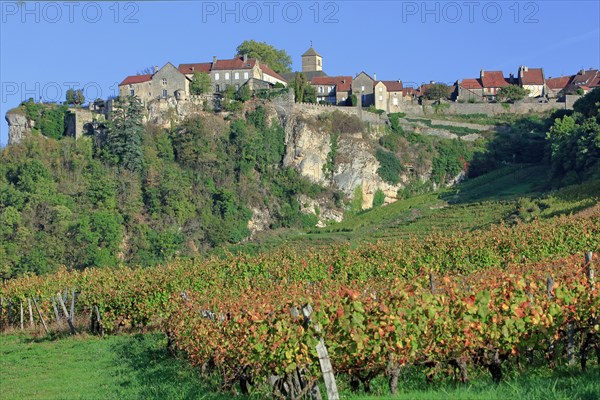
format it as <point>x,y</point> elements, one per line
<point>192,68</point>
<point>214,59</point>
<point>482,73</point>
<point>155,69</point>
<point>525,69</point>
<point>245,57</point>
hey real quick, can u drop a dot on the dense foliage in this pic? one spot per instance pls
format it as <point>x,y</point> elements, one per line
<point>279,60</point>
<point>142,195</point>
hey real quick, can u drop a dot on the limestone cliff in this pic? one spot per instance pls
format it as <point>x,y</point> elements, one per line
<point>307,150</point>
<point>19,126</point>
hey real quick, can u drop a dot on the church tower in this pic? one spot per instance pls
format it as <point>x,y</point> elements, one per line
<point>312,61</point>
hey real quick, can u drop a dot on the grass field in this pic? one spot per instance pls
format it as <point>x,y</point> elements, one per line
<point>139,367</point>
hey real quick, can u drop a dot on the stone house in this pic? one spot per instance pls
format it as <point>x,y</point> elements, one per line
<point>584,80</point>
<point>389,96</point>
<point>332,89</point>
<point>492,82</point>
<point>233,72</point>
<point>363,88</point>
<point>555,87</point>
<point>470,90</point>
<point>532,79</point>
<point>410,94</point>
<point>163,83</point>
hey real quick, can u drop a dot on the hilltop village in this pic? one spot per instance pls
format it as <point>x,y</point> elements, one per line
<point>389,96</point>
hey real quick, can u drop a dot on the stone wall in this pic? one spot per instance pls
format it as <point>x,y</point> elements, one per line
<point>412,108</point>
<point>75,121</point>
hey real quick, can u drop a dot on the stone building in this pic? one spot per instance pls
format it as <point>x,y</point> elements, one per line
<point>555,87</point>
<point>162,83</point>
<point>470,90</point>
<point>332,89</point>
<point>492,82</point>
<point>233,72</point>
<point>584,80</point>
<point>389,95</point>
<point>532,79</point>
<point>312,66</point>
<point>363,88</point>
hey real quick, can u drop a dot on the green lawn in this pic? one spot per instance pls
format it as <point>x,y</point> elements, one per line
<point>139,367</point>
<point>87,367</point>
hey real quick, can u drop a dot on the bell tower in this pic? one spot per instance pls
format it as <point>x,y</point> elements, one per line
<point>312,61</point>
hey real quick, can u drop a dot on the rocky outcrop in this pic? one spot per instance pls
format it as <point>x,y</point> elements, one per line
<point>307,150</point>
<point>19,126</point>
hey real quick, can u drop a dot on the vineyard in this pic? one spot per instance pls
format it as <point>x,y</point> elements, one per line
<point>443,303</point>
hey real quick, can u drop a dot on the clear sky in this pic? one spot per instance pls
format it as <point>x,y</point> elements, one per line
<point>46,47</point>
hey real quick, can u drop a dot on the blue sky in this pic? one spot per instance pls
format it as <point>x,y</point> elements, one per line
<point>46,47</point>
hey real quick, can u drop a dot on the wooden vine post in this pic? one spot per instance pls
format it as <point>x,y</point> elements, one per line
<point>40,314</point>
<point>64,308</point>
<point>590,268</point>
<point>31,323</point>
<point>324,361</point>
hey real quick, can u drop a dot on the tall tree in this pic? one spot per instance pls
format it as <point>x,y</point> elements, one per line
<point>278,60</point>
<point>200,83</point>
<point>512,93</point>
<point>437,92</point>
<point>124,136</point>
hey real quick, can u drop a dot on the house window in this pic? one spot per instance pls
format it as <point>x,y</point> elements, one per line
<point>245,75</point>
<point>237,87</point>
<point>237,75</point>
<point>149,94</point>
<point>131,92</point>
<point>130,86</point>
<point>164,92</point>
<point>362,88</point>
<point>395,101</point>
<point>164,81</point>
<point>320,89</point>
<point>380,98</point>
<point>380,89</point>
<point>226,75</point>
<point>217,77</point>
<point>395,94</point>
<point>217,88</point>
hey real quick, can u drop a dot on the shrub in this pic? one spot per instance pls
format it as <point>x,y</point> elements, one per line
<point>390,167</point>
<point>379,198</point>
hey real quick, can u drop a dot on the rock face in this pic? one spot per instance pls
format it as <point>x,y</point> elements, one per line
<point>18,126</point>
<point>308,148</point>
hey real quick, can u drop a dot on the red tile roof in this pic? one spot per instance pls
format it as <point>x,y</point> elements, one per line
<point>342,83</point>
<point>585,77</point>
<point>471,84</point>
<point>409,91</point>
<point>493,79</point>
<point>266,70</point>
<point>136,79</point>
<point>234,63</point>
<point>558,83</point>
<point>392,86</point>
<point>191,68</point>
<point>532,76</point>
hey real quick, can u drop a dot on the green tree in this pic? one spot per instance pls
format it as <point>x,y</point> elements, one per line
<point>200,83</point>
<point>298,85</point>
<point>437,91</point>
<point>75,97</point>
<point>278,60</point>
<point>589,105</point>
<point>512,93</point>
<point>124,136</point>
<point>378,198</point>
